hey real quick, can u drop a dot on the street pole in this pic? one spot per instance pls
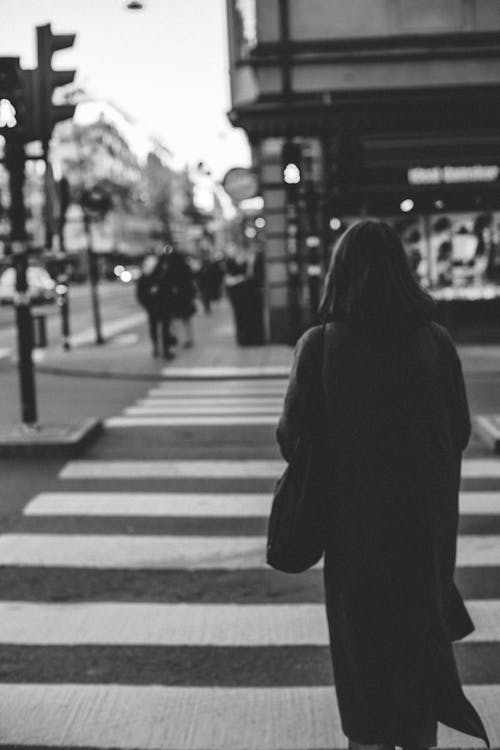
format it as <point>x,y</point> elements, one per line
<point>93,280</point>
<point>48,208</point>
<point>15,162</point>
<point>63,276</point>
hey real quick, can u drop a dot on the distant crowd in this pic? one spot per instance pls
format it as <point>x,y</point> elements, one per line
<point>168,288</point>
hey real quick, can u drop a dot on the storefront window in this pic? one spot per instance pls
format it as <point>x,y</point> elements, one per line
<point>455,255</point>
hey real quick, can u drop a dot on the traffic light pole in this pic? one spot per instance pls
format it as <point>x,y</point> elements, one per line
<point>15,163</point>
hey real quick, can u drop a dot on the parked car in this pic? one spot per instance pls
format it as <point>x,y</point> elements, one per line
<point>41,286</point>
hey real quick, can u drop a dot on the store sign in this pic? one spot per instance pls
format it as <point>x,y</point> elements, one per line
<point>450,175</point>
<point>240,184</point>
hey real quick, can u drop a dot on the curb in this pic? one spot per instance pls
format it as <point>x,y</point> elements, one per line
<point>52,441</point>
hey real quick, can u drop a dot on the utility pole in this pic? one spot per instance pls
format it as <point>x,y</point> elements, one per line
<point>63,276</point>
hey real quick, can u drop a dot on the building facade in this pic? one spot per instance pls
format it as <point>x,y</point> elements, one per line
<point>381,108</point>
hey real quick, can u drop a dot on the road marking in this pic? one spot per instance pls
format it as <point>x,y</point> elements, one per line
<point>185,718</point>
<point>241,468</point>
<point>87,336</point>
<point>144,624</point>
<point>480,503</point>
<point>215,391</point>
<point>188,410</point>
<point>217,469</point>
<point>148,504</point>
<point>178,552</point>
<point>278,371</point>
<point>186,504</point>
<point>120,422</point>
<point>132,552</point>
<point>262,400</point>
<point>481,468</point>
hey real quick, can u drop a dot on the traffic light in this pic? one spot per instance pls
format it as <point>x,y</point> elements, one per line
<point>291,158</point>
<point>47,114</point>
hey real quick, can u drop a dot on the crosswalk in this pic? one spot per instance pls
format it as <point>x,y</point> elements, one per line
<point>230,402</point>
<point>149,620</point>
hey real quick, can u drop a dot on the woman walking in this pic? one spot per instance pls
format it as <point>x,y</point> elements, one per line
<point>181,291</point>
<point>397,423</point>
<point>153,296</point>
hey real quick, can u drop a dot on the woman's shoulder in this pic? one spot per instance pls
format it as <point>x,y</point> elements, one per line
<point>442,336</point>
<point>334,332</point>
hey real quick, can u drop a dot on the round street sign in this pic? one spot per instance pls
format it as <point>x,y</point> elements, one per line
<point>240,183</point>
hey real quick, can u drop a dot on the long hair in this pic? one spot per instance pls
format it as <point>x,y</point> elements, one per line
<point>369,282</point>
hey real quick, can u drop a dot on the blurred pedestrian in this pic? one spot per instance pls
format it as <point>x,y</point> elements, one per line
<point>181,291</point>
<point>205,282</point>
<point>243,285</point>
<point>396,423</point>
<point>152,295</point>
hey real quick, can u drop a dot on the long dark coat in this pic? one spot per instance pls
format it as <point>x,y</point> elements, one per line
<point>397,423</point>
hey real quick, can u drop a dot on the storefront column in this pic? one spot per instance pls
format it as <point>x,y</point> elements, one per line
<point>274,196</point>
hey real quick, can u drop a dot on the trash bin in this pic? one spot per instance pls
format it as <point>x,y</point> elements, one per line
<point>39,330</point>
<point>246,301</point>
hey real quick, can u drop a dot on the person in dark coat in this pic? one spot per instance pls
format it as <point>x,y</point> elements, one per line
<point>397,423</point>
<point>180,290</point>
<point>153,295</point>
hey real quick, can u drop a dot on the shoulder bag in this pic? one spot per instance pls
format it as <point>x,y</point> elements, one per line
<point>297,523</point>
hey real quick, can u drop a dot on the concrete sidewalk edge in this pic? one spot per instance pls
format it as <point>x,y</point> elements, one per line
<point>50,441</point>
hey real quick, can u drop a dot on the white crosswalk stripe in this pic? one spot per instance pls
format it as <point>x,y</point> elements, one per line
<point>201,421</point>
<point>188,716</point>
<point>193,403</point>
<point>251,390</point>
<point>229,469</point>
<point>202,410</point>
<point>220,469</point>
<point>184,718</point>
<point>195,504</point>
<point>120,623</point>
<point>177,552</point>
<point>186,373</point>
<point>149,504</point>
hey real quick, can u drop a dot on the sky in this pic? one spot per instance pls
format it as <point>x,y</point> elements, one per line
<point>166,66</point>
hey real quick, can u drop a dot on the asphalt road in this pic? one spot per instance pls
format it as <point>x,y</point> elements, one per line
<point>116,299</point>
<point>135,607</point>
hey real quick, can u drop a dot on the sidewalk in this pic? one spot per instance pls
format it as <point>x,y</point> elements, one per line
<point>127,354</point>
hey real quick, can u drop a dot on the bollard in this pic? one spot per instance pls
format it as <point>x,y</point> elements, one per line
<point>39,330</point>
<point>62,290</point>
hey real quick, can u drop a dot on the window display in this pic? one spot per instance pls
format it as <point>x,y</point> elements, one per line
<point>454,255</point>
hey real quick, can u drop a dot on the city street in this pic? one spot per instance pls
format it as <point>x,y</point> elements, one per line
<point>186,189</point>
<point>136,608</point>
<point>117,301</point>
